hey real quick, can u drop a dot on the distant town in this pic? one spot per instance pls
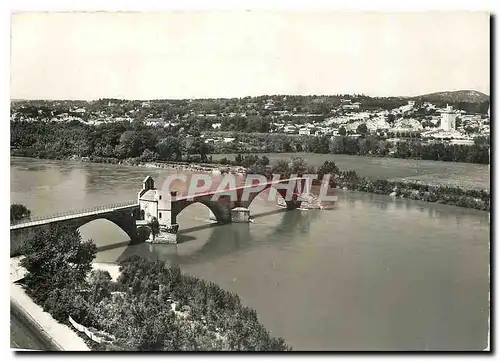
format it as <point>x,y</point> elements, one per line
<point>449,126</point>
<point>343,116</point>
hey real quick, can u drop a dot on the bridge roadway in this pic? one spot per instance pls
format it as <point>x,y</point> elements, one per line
<point>182,196</point>
<point>74,215</point>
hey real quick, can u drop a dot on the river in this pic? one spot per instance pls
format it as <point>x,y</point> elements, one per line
<point>375,273</point>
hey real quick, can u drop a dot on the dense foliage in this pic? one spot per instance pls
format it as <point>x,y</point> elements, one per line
<point>209,318</point>
<point>139,143</point>
<point>19,212</point>
<point>121,140</point>
<point>136,311</point>
<point>57,260</point>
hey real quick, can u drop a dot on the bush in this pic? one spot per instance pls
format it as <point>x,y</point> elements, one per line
<point>65,302</point>
<point>19,212</point>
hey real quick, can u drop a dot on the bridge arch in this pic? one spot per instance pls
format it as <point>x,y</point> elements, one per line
<point>102,231</point>
<point>123,220</point>
<point>220,210</point>
<point>281,193</point>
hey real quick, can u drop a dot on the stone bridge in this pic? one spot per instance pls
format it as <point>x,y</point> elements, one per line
<point>230,205</point>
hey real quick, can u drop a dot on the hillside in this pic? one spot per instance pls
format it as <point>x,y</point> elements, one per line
<point>470,96</point>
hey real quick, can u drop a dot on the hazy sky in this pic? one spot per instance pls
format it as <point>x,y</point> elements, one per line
<point>234,54</point>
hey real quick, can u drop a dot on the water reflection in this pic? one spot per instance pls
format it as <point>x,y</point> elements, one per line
<point>222,240</point>
<point>390,204</point>
<point>295,221</point>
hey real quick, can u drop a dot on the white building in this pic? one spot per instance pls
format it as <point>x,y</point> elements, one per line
<point>305,131</point>
<point>462,141</point>
<point>351,106</point>
<point>153,203</point>
<point>448,118</point>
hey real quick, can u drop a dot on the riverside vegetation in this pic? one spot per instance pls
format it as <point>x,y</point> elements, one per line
<point>19,212</point>
<point>348,179</point>
<point>135,142</point>
<point>150,307</point>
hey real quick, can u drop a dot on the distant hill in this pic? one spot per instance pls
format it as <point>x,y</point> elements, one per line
<point>470,96</point>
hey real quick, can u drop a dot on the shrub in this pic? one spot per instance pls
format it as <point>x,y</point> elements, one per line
<point>19,212</point>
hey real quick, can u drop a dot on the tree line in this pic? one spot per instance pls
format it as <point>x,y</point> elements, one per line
<point>260,105</point>
<point>137,141</point>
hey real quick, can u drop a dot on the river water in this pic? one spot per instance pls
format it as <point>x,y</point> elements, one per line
<point>375,273</point>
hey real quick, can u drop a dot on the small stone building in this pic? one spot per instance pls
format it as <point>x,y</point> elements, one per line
<point>155,203</point>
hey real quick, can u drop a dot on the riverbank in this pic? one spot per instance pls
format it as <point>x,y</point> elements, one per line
<point>473,198</point>
<point>61,337</point>
<point>183,314</point>
<point>57,336</point>
<point>181,166</point>
<point>455,196</point>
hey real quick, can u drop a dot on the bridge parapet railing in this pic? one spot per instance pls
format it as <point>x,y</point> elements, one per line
<point>74,212</point>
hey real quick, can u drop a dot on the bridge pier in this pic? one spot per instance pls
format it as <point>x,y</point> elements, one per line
<point>211,215</point>
<point>166,235</point>
<point>167,222</point>
<point>240,215</point>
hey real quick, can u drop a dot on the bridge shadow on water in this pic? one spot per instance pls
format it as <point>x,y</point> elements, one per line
<point>239,237</point>
<point>225,239</point>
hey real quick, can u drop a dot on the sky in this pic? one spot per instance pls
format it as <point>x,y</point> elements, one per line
<point>246,53</point>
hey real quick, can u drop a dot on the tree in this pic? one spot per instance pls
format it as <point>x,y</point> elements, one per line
<point>155,226</point>
<point>148,156</point>
<point>342,131</point>
<point>198,146</point>
<point>56,257</point>
<point>64,302</point>
<point>169,148</point>
<point>130,145</point>
<point>19,212</point>
<point>299,166</point>
<point>362,129</point>
<point>100,285</point>
<point>327,168</point>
